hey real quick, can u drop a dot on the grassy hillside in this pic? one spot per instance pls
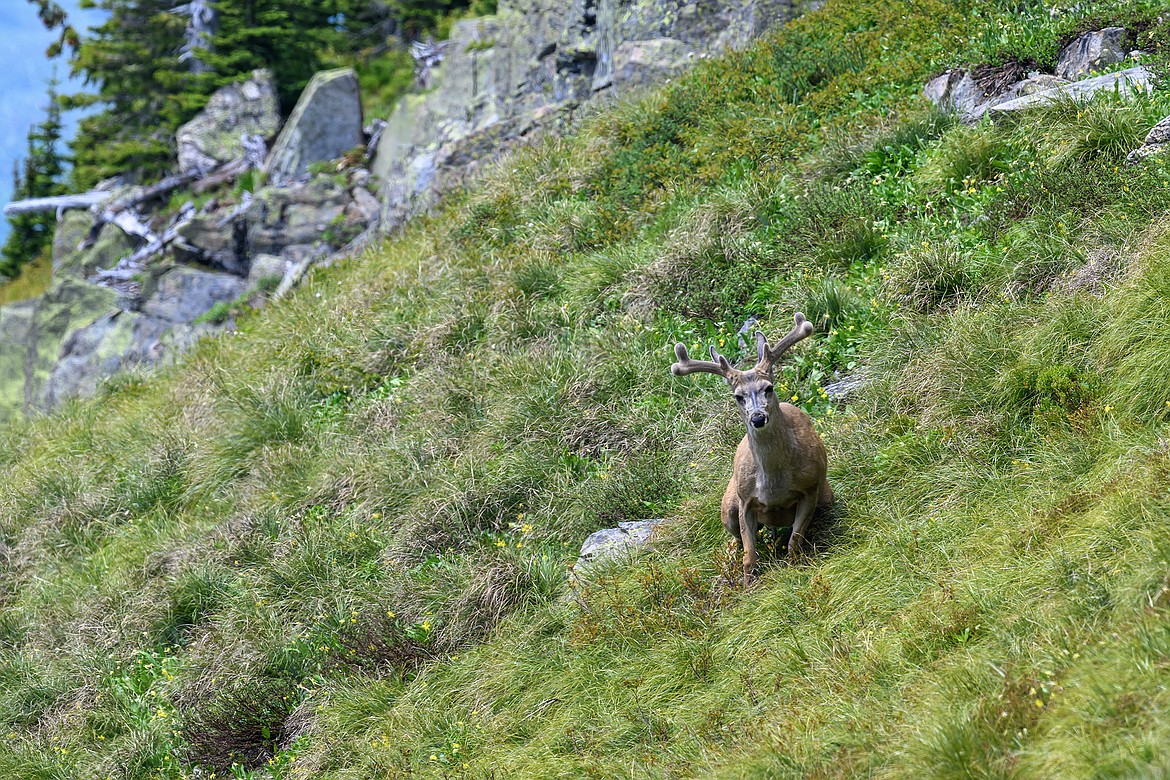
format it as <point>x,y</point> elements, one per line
<point>337,542</point>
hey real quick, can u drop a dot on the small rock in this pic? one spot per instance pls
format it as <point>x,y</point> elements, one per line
<point>848,387</point>
<point>1091,52</point>
<point>364,208</point>
<point>1156,141</point>
<point>1159,133</point>
<point>611,543</point>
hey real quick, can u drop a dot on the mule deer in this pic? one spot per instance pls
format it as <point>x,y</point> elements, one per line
<point>779,474</point>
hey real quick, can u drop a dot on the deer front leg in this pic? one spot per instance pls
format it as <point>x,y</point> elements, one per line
<point>748,523</point>
<point>804,511</point>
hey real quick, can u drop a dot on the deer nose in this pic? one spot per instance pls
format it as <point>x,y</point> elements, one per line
<point>759,419</point>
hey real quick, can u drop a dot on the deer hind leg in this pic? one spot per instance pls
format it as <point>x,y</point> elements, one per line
<point>747,536</point>
<point>804,512</point>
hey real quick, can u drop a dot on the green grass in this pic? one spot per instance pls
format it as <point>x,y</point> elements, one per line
<point>337,542</point>
<point>33,280</point>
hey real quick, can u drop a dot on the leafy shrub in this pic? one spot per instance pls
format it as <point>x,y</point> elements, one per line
<point>936,273</point>
<point>1105,128</point>
<point>965,155</point>
<point>1056,390</point>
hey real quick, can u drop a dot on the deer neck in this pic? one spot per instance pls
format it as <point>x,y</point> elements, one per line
<point>771,445</point>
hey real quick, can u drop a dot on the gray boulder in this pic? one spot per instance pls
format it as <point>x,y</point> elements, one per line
<point>299,214</point>
<point>1092,52</point>
<point>113,342</point>
<point>181,295</point>
<point>31,335</point>
<point>956,92</point>
<point>213,240</point>
<point>648,62</point>
<point>1156,141</point>
<point>612,543</point>
<point>215,135</point>
<point>1125,83</point>
<point>326,123</point>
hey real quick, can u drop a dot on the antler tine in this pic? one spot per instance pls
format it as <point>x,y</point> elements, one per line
<point>718,364</point>
<point>802,329</point>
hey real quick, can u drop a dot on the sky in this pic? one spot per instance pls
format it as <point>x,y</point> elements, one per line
<point>26,72</point>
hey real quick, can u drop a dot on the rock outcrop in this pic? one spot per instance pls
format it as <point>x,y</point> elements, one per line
<point>509,78</point>
<point>974,93</point>
<point>90,325</point>
<point>326,123</point>
<point>645,62</point>
<point>215,135</point>
<point>1125,83</point>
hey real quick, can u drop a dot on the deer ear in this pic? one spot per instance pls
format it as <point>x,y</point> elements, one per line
<point>761,346</point>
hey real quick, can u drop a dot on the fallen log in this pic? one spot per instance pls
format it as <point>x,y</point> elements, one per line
<point>158,189</point>
<point>57,203</point>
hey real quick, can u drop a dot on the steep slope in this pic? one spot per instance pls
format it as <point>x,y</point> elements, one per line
<point>336,543</point>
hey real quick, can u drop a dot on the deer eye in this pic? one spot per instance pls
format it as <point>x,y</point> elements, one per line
<point>768,390</point>
<point>739,399</point>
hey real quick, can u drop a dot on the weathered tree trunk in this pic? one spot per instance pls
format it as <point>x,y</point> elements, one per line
<point>82,200</point>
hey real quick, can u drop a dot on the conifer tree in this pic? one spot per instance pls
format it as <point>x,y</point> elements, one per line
<point>38,175</point>
<point>131,64</point>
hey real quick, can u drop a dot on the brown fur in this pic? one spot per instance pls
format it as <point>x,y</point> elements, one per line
<point>779,475</point>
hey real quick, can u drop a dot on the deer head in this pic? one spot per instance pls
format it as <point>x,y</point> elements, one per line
<point>754,394</point>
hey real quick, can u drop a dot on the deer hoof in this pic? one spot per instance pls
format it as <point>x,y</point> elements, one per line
<point>795,547</point>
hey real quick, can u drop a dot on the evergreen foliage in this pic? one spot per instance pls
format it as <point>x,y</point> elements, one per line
<point>38,175</point>
<point>130,62</point>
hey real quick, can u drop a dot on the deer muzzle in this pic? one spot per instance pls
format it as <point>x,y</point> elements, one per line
<point>758,419</point>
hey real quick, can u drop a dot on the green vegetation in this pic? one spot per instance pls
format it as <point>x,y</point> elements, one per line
<point>337,542</point>
<point>383,80</point>
<point>38,175</point>
<point>33,279</point>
